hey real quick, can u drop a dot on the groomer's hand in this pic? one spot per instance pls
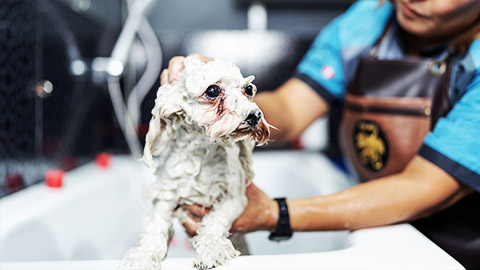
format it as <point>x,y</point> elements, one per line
<point>261,213</point>
<point>175,66</point>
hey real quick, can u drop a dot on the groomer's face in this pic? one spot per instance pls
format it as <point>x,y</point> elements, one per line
<point>436,18</point>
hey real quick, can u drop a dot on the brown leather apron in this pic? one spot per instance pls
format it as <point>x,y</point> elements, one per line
<point>389,108</point>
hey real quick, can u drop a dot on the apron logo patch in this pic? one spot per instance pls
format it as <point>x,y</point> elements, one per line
<point>328,72</point>
<point>370,144</point>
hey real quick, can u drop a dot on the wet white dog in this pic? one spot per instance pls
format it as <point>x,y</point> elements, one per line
<point>203,130</point>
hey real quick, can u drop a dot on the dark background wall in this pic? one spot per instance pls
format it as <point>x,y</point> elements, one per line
<point>187,15</point>
<point>304,16</point>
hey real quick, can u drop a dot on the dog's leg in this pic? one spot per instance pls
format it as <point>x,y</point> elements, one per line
<point>154,242</point>
<point>211,244</point>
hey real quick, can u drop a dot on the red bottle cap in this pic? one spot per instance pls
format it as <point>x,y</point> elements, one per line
<point>103,160</point>
<point>297,144</point>
<point>54,178</point>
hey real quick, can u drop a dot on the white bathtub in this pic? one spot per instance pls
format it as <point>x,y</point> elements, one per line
<point>98,215</point>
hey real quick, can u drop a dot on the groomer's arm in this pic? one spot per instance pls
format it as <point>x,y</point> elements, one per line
<point>420,190</point>
<point>291,108</point>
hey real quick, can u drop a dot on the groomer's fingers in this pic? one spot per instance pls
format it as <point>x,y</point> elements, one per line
<point>197,210</point>
<point>164,77</point>
<point>191,225</point>
<point>175,66</point>
<point>202,58</point>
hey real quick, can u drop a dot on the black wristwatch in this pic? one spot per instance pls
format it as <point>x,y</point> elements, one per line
<point>283,231</point>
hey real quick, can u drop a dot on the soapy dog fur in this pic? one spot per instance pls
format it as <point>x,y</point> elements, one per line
<point>202,131</point>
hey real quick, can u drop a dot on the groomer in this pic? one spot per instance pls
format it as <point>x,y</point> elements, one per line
<point>406,75</point>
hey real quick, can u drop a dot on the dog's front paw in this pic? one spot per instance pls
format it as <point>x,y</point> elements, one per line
<point>212,251</point>
<point>140,259</point>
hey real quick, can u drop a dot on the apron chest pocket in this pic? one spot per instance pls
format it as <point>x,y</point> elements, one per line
<point>380,135</point>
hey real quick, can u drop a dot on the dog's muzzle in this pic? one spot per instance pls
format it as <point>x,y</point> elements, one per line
<point>254,127</point>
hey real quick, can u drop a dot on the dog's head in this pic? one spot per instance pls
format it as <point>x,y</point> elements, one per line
<point>214,96</point>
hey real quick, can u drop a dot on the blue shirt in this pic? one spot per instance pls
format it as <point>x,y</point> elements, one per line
<point>330,63</point>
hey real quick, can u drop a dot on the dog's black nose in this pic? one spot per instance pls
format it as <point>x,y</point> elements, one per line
<point>253,118</point>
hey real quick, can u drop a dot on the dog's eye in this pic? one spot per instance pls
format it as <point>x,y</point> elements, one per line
<point>212,91</point>
<point>249,90</point>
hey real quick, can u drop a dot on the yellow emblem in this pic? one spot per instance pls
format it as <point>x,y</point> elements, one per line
<point>370,145</point>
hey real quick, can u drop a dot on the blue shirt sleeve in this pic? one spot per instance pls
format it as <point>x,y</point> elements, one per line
<point>322,68</point>
<point>454,144</point>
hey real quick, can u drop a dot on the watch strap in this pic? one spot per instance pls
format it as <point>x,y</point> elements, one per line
<point>282,231</point>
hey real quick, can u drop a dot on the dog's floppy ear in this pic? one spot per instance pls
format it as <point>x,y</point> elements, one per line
<point>161,127</point>
<point>250,78</point>
<point>192,63</point>
<point>194,80</point>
